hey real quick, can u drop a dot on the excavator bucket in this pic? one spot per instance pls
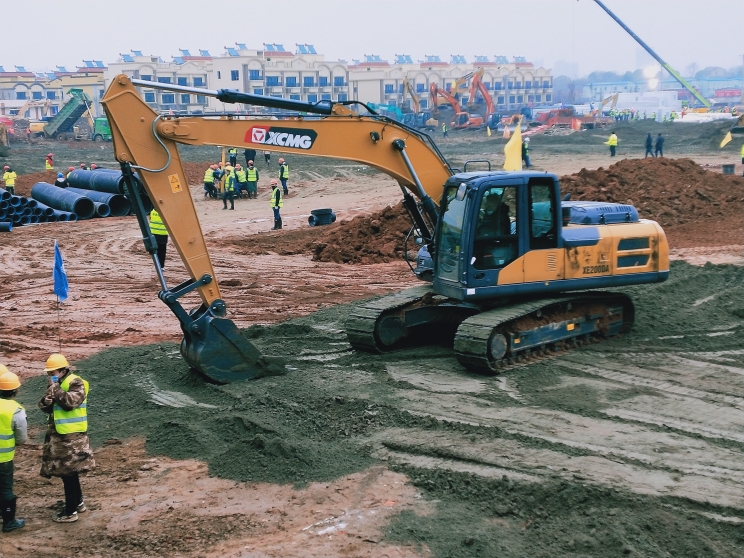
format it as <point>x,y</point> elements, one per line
<point>215,347</point>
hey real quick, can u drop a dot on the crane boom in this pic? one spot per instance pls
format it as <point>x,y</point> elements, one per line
<point>656,57</point>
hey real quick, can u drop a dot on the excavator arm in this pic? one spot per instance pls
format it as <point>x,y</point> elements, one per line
<point>146,143</point>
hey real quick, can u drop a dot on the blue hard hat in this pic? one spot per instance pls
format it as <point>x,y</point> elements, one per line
<point>60,175</point>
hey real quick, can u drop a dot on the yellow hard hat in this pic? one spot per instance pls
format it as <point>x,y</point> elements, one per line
<point>3,369</point>
<point>9,381</point>
<point>55,362</point>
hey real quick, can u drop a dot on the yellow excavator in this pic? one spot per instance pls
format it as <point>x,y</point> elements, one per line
<point>506,264</point>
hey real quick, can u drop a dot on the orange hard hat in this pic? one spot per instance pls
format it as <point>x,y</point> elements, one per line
<point>55,362</point>
<point>82,165</point>
<point>71,168</point>
<point>8,380</point>
<point>274,182</point>
<point>281,159</point>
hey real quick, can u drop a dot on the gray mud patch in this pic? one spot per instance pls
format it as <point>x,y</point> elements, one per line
<point>631,447</point>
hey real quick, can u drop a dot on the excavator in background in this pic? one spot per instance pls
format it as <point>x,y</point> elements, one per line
<point>492,119</point>
<point>461,120</point>
<point>420,119</point>
<point>3,140</point>
<point>506,262</point>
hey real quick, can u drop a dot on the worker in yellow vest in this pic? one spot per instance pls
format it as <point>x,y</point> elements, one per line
<point>742,153</point>
<point>276,202</point>
<point>209,189</point>
<point>158,230</point>
<point>66,451</point>
<point>283,174</point>
<point>233,155</point>
<point>229,191</point>
<point>9,178</point>
<point>49,162</point>
<point>612,142</point>
<point>252,178</point>
<point>13,432</point>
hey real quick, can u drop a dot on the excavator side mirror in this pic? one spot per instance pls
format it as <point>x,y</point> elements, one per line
<point>375,136</point>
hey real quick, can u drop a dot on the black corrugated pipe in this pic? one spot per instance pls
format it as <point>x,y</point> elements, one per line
<point>118,204</point>
<point>60,198</point>
<point>102,209</point>
<point>6,226</point>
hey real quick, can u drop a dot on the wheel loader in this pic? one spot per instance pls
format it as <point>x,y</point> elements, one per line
<point>508,268</point>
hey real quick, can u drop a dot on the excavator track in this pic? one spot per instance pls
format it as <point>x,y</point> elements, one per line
<point>369,331</point>
<point>495,339</point>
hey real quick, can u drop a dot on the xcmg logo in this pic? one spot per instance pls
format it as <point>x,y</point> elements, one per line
<point>282,137</point>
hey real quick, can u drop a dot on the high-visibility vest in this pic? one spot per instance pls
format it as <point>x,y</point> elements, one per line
<point>252,174</point>
<point>284,171</point>
<point>76,420</point>
<point>156,224</point>
<point>232,151</point>
<point>230,181</point>
<point>209,176</point>
<point>612,140</point>
<point>9,178</point>
<point>742,151</point>
<point>8,408</point>
<point>240,175</point>
<point>276,193</point>
<point>49,165</point>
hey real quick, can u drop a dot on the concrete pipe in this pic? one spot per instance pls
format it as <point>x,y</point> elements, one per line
<point>102,209</point>
<point>6,226</point>
<point>4,194</point>
<point>59,198</point>
<point>45,209</point>
<point>118,204</point>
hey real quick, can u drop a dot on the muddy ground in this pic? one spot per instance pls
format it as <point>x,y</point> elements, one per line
<point>628,448</point>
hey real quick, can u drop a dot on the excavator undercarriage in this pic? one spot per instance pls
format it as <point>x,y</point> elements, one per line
<point>489,338</point>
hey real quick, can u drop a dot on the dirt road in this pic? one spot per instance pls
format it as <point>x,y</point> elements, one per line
<point>628,448</point>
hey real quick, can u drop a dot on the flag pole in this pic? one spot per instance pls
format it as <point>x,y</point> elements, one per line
<point>59,327</point>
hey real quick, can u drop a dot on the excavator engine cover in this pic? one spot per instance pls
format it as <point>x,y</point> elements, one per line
<point>214,346</point>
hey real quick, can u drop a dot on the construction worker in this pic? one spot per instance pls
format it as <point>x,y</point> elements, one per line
<point>649,146</point>
<point>66,451</point>
<point>283,174</point>
<point>252,178</point>
<point>13,432</point>
<point>219,174</point>
<point>612,142</point>
<point>240,181</point>
<point>49,162</point>
<point>9,178</point>
<point>229,191</point>
<point>61,181</point>
<point>250,155</point>
<point>83,166</point>
<point>276,202</point>
<point>233,155</point>
<point>444,129</point>
<point>526,152</point>
<point>659,149</point>
<point>158,230</point>
<point>69,170</point>
<point>734,111</point>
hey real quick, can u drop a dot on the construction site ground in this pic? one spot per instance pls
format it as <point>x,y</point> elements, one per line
<point>631,447</point>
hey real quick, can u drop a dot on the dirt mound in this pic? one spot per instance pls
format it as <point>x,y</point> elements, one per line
<point>670,191</point>
<point>25,182</point>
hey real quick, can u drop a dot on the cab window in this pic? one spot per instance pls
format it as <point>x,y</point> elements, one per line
<point>542,217</point>
<point>495,244</point>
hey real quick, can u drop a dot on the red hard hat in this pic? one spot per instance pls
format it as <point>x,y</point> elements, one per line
<point>250,162</point>
<point>50,155</point>
<point>71,168</point>
<point>6,167</point>
<point>281,159</point>
<point>274,182</point>
<point>82,165</point>
<point>94,166</point>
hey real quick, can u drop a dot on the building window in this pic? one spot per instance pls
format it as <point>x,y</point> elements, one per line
<point>201,99</point>
<point>234,75</point>
<point>168,98</point>
<point>512,99</point>
<point>546,84</point>
<point>55,110</point>
<point>510,85</point>
<point>518,85</point>
<point>164,80</point>
<point>146,78</point>
<point>258,91</point>
<point>528,85</point>
<point>499,100</point>
<point>325,97</point>
<point>323,81</point>
<point>520,98</point>
<point>497,85</point>
<point>424,103</point>
<point>389,89</point>
<point>530,98</point>
<point>185,99</point>
<point>20,95</point>
<point>538,98</point>
<point>343,97</point>
<point>488,85</point>
<point>548,98</point>
<point>254,74</point>
<point>52,95</point>
<point>312,98</point>
<point>219,74</point>
<point>294,97</point>
<point>198,82</point>
<point>308,81</point>
<point>149,97</point>
<point>36,94</point>
<point>420,87</point>
<point>182,81</point>
<point>100,93</point>
<point>338,81</point>
<point>272,81</point>
<point>291,81</point>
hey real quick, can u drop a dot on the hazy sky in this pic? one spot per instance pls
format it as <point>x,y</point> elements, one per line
<point>553,33</point>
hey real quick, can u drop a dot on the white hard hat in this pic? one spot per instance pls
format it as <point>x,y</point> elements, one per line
<point>527,140</point>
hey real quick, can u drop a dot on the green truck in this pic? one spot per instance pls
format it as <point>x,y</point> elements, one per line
<point>98,129</point>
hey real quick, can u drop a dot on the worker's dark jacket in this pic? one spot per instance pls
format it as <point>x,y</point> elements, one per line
<point>660,142</point>
<point>64,454</point>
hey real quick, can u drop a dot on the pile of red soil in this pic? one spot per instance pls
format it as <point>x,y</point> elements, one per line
<point>670,191</point>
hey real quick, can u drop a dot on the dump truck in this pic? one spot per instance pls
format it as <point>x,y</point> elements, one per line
<point>61,124</point>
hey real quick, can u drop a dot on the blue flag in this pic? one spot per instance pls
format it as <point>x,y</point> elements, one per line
<point>60,275</point>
